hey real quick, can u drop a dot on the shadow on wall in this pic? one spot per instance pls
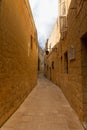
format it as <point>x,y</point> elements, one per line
<point>18,61</point>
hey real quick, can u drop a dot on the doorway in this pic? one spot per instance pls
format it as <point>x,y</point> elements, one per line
<point>84,58</point>
<point>84,73</point>
<point>50,74</point>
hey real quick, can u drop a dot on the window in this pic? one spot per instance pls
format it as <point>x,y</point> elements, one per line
<point>52,64</point>
<point>28,49</point>
<point>44,66</point>
<point>61,64</point>
<point>31,41</point>
<point>66,62</point>
<point>63,26</point>
<point>63,23</point>
<point>47,67</point>
<point>63,9</point>
<point>72,53</point>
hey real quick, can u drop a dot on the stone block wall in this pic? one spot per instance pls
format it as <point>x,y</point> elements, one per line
<point>18,55</point>
<point>74,81</point>
<point>71,59</point>
<point>52,65</point>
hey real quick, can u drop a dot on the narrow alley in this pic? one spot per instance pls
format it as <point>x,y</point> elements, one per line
<point>45,108</point>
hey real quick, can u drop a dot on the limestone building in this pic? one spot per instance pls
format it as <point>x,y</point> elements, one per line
<point>40,60</point>
<point>54,37</point>
<point>18,55</point>
<point>72,55</point>
<point>51,62</point>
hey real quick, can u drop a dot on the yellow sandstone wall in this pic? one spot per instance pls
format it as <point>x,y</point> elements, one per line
<point>72,59</point>
<point>54,37</point>
<point>74,83</point>
<point>18,55</point>
<point>51,60</point>
<point>52,70</point>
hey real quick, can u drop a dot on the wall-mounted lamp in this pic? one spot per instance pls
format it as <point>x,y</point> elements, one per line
<point>47,52</point>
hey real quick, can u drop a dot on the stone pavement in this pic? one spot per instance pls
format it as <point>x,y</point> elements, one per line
<point>45,108</point>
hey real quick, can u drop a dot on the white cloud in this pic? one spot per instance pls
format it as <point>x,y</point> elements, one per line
<point>45,13</point>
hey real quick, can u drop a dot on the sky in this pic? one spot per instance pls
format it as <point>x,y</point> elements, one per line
<point>45,13</point>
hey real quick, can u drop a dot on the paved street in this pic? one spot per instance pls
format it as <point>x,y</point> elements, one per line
<point>45,108</point>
